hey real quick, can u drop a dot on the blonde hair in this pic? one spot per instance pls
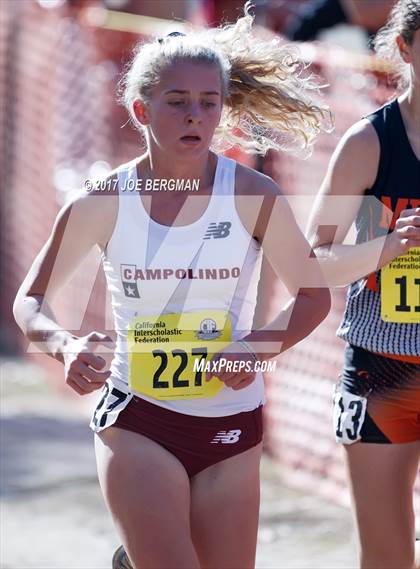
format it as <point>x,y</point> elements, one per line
<point>403,21</point>
<point>266,91</point>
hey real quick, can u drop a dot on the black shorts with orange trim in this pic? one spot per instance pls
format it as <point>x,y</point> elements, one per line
<point>390,390</point>
<point>197,442</point>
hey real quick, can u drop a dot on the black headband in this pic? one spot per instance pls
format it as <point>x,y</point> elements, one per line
<point>171,35</point>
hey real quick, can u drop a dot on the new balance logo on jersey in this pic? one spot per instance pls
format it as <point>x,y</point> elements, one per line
<point>227,437</point>
<point>218,230</point>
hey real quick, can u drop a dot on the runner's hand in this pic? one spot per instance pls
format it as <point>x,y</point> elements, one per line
<point>237,355</point>
<point>406,233</point>
<point>81,365</point>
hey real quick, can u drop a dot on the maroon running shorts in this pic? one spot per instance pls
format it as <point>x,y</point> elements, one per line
<point>197,442</point>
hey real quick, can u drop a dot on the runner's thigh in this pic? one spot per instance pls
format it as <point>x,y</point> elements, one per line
<point>148,493</point>
<point>382,479</point>
<point>225,499</point>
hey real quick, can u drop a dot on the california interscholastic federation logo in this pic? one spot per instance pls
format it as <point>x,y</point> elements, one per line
<point>208,330</point>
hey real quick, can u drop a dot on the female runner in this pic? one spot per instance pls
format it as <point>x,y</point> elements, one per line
<point>377,403</point>
<point>178,447</point>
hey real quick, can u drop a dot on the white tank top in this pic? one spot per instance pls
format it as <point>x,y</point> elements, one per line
<point>152,269</point>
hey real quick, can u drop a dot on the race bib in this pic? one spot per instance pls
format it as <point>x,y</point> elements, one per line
<point>168,353</point>
<point>348,416</point>
<point>400,288</point>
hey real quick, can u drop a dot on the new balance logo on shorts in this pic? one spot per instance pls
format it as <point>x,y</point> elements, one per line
<point>218,230</point>
<point>227,437</point>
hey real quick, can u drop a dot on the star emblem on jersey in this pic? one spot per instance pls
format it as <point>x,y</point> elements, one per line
<point>227,437</point>
<point>208,330</point>
<point>218,230</point>
<point>131,290</point>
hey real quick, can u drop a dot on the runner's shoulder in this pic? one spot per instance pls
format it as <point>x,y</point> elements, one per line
<point>252,182</point>
<point>354,164</point>
<point>95,208</point>
<point>258,195</point>
<point>99,197</point>
<point>360,141</point>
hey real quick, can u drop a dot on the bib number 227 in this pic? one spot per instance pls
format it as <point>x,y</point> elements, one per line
<point>159,383</point>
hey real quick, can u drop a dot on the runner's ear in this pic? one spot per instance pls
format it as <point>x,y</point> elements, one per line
<point>141,112</point>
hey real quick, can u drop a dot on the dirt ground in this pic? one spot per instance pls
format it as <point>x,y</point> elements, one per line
<point>53,515</point>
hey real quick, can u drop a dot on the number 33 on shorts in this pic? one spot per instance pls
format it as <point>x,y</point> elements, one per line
<point>348,416</point>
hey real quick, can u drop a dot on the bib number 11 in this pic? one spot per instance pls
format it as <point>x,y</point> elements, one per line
<point>400,289</point>
<point>403,306</point>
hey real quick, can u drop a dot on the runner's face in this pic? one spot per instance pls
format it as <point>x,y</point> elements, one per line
<point>184,109</point>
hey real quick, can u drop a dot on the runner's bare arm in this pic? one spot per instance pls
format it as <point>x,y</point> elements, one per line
<point>80,225</point>
<point>289,254</point>
<point>353,169</point>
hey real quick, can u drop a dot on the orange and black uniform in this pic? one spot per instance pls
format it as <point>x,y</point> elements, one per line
<point>382,359</point>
